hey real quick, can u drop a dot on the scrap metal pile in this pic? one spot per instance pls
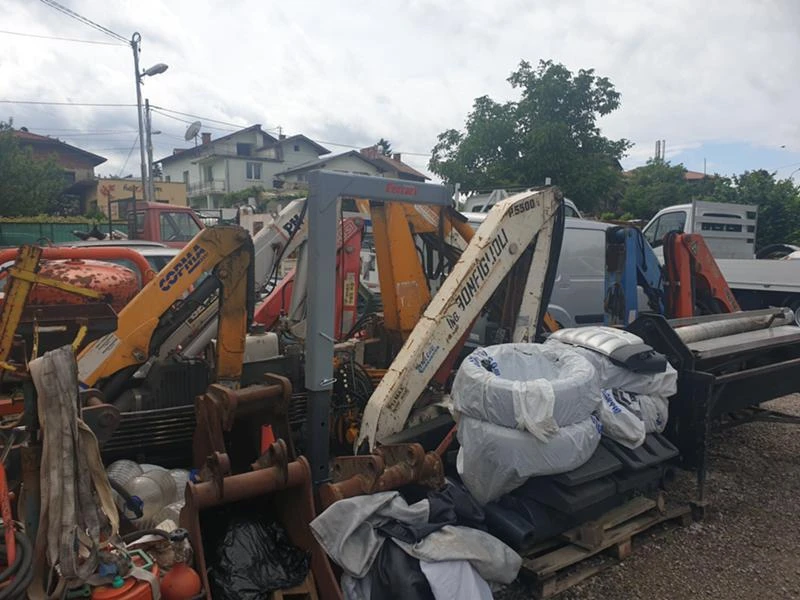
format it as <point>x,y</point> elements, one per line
<point>215,430</point>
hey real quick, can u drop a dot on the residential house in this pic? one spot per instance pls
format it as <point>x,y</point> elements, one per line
<point>243,159</point>
<point>367,161</point>
<point>117,194</point>
<point>78,164</point>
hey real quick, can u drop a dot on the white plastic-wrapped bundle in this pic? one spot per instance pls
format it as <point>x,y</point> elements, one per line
<point>527,386</point>
<point>494,460</point>
<point>613,376</point>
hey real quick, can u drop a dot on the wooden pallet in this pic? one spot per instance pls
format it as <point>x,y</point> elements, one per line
<point>557,565</point>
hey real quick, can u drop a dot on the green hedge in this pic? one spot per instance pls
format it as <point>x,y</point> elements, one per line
<point>15,232</point>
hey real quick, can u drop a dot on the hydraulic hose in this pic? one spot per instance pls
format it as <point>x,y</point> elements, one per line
<point>21,569</point>
<point>135,535</point>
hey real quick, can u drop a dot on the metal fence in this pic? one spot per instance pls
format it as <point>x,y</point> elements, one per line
<point>18,233</point>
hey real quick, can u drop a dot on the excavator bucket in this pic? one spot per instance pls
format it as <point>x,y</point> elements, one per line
<point>281,491</point>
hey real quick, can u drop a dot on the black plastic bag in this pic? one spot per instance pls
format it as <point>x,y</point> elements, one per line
<point>255,558</point>
<point>395,574</point>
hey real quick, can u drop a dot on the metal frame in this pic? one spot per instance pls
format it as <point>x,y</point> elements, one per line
<point>325,188</point>
<point>708,390</point>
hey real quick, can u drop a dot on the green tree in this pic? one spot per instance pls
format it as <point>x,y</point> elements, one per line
<point>28,186</point>
<point>655,186</point>
<point>242,196</point>
<point>384,147</point>
<point>551,131</point>
<point>778,204</point>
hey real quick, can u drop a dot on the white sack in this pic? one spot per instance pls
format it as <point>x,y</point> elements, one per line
<point>620,422</point>
<point>526,386</point>
<point>654,411</point>
<point>627,417</point>
<point>493,460</point>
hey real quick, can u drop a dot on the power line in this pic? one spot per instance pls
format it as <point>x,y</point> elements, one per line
<point>63,39</point>
<point>163,114</point>
<point>177,112</point>
<point>43,103</point>
<point>72,14</point>
<point>127,158</point>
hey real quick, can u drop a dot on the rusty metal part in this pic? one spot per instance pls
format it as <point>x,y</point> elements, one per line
<point>352,476</point>
<point>432,472</point>
<point>240,414</point>
<point>102,419</point>
<point>115,283</point>
<point>216,468</point>
<point>277,455</point>
<point>389,467</point>
<point>446,441</point>
<point>91,397</point>
<point>11,404</point>
<point>288,499</point>
<point>107,253</point>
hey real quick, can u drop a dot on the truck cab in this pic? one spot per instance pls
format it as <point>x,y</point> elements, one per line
<point>171,225</point>
<point>728,229</point>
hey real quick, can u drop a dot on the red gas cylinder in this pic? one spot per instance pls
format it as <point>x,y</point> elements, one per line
<point>181,582</point>
<point>120,283</point>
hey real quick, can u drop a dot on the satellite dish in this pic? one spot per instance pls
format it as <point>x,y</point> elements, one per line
<point>192,131</point>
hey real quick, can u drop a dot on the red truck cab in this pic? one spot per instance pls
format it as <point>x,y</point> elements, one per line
<point>171,225</point>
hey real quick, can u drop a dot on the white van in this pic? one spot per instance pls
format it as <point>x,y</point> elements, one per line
<point>577,297</point>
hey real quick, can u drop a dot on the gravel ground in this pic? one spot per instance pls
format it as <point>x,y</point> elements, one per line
<point>748,545</point>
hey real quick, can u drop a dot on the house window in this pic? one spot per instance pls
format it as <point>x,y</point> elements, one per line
<point>297,147</point>
<point>186,177</point>
<point>253,170</point>
<point>244,149</point>
<point>168,179</point>
<point>208,172</point>
<point>69,177</point>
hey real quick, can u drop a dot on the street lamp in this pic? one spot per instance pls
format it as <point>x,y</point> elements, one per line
<point>156,69</point>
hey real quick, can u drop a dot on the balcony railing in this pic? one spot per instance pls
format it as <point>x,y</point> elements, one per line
<point>215,186</point>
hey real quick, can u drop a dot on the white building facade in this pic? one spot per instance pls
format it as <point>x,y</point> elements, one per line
<point>243,159</point>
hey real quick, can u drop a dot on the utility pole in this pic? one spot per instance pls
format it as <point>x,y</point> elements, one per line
<point>136,38</point>
<point>151,192</point>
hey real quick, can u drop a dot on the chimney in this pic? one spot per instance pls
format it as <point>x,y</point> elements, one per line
<point>371,152</point>
<point>206,138</point>
<point>397,156</point>
<point>281,136</point>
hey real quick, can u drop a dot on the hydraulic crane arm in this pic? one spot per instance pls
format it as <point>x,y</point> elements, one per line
<point>695,282</point>
<point>630,262</point>
<point>502,239</point>
<point>689,283</point>
<point>226,253</point>
<point>279,238</point>
<point>288,297</point>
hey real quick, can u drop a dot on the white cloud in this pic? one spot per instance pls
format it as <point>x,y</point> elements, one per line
<point>354,71</point>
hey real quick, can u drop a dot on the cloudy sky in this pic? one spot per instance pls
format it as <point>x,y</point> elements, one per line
<point>718,80</point>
